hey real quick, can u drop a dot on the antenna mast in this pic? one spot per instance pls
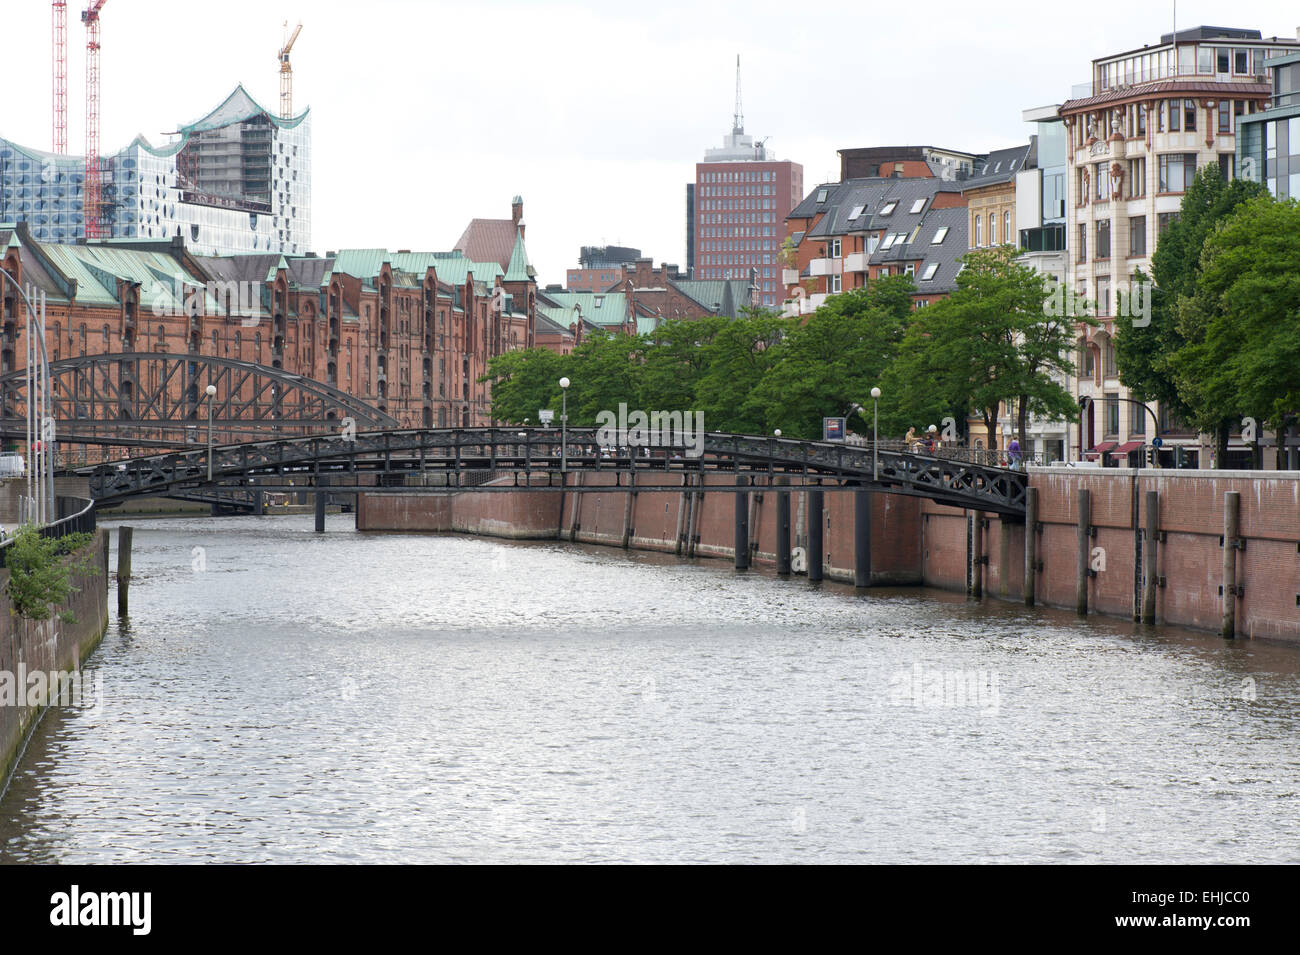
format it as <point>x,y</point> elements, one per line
<point>738,121</point>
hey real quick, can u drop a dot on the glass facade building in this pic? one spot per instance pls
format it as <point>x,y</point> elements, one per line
<point>238,180</point>
<point>1268,146</point>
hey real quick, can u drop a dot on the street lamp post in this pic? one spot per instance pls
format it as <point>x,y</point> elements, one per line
<point>211,392</point>
<point>875,435</point>
<point>40,464</point>
<point>564,425</point>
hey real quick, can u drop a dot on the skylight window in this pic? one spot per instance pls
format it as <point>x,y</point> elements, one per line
<point>918,205</point>
<point>857,211</point>
<point>888,207</point>
<point>940,235</point>
<point>929,271</point>
<point>889,241</point>
<point>821,195</point>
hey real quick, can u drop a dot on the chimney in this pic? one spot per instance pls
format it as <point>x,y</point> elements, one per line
<point>517,210</point>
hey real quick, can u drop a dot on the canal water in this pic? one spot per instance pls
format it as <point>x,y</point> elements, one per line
<point>282,696</point>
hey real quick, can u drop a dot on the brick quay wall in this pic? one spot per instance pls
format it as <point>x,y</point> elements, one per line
<point>1101,566</point>
<point>56,645</point>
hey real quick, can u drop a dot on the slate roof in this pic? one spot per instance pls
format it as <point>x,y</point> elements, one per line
<point>923,250</point>
<point>875,195</point>
<point>1001,166</point>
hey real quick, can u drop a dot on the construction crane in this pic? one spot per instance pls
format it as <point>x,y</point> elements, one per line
<point>91,202</point>
<point>59,13</point>
<point>286,74</point>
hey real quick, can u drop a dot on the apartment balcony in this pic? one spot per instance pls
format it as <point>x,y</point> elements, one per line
<point>825,267</point>
<point>856,261</point>
<point>789,276</point>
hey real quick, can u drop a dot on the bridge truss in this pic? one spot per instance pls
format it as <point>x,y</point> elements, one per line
<point>513,459</point>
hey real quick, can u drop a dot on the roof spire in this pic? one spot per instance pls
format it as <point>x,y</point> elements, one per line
<point>738,121</point>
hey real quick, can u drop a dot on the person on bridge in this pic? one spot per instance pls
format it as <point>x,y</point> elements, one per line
<point>910,440</point>
<point>931,439</point>
<point>1013,454</point>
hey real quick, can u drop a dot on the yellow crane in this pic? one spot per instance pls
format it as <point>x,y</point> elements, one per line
<point>286,74</point>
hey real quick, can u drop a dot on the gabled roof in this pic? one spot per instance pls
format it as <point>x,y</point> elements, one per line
<point>489,240</point>
<point>716,296</point>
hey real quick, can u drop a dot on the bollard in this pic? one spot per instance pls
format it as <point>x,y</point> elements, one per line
<point>683,500</point>
<point>629,500</point>
<point>977,555</point>
<point>783,527</point>
<point>861,538</point>
<point>816,532</point>
<point>124,535</point>
<point>1031,544</point>
<point>1231,524</point>
<point>1004,556</point>
<point>322,495</point>
<point>742,525</point>
<point>1083,537</point>
<point>1149,557</point>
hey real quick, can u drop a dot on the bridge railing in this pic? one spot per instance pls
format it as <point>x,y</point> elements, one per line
<point>76,516</point>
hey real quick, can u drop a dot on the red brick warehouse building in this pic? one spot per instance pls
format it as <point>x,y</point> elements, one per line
<point>736,209</point>
<point>408,332</point>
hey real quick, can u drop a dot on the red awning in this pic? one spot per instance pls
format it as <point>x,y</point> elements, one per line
<point>1126,447</point>
<point>1101,448</point>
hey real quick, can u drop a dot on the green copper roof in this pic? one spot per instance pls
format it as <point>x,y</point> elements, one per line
<point>237,108</point>
<point>360,263</point>
<point>518,270</point>
<point>600,308</point>
<point>96,270</point>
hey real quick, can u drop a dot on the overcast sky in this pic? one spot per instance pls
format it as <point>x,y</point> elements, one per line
<point>426,114</point>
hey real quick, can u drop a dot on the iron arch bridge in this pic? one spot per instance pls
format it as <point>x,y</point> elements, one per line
<point>514,459</point>
<point>151,399</point>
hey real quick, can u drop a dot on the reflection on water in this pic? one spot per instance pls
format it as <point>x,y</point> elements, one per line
<point>283,696</point>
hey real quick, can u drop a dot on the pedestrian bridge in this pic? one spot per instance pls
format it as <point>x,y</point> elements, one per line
<point>533,459</point>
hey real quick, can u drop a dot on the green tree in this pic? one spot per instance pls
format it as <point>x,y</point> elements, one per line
<point>1242,321</point>
<point>1145,355</point>
<point>991,341</point>
<point>40,571</point>
<point>739,357</point>
<point>829,362</point>
<point>525,381</point>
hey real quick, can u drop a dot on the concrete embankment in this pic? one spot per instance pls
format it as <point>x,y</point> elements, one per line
<point>1145,544</point>
<point>56,645</point>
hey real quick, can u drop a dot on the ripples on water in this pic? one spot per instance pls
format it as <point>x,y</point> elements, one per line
<point>380,698</point>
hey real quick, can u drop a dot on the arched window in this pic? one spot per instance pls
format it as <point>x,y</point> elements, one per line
<point>215,343</point>
<point>979,235</point>
<point>993,228</point>
<point>1006,227</point>
<point>105,334</point>
<point>162,333</point>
